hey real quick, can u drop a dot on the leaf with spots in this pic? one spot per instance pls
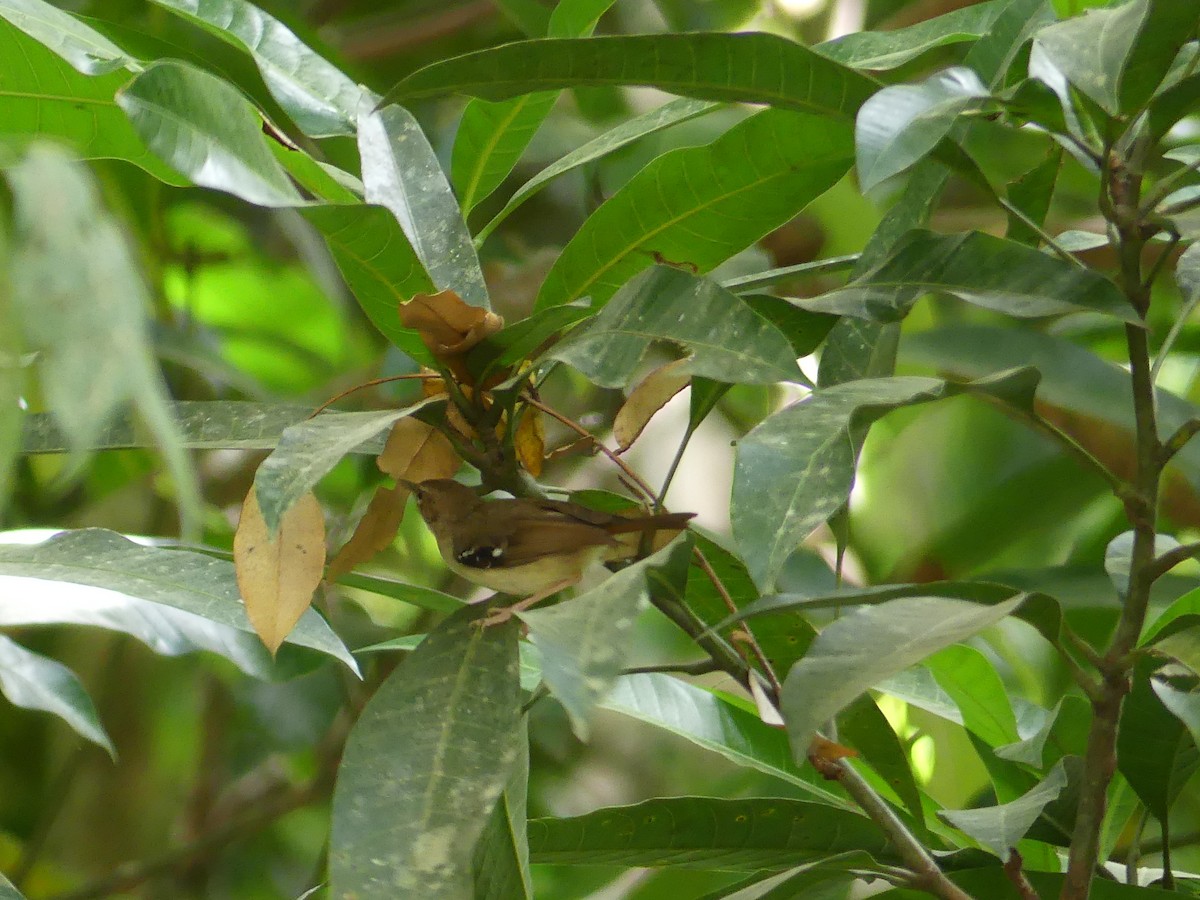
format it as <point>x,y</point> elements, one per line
<point>425,764</point>
<point>584,643</point>
<point>278,574</point>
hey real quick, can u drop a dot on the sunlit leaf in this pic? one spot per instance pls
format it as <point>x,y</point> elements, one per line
<point>32,681</point>
<point>697,206</point>
<point>999,828</point>
<point>173,601</point>
<point>428,757</point>
<point>83,47</point>
<point>889,49</point>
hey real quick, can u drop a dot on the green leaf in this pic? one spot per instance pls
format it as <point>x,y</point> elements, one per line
<point>725,338</point>
<point>502,854</point>
<point>999,828</point>
<point>204,424</point>
<point>379,264</point>
<point>490,139</point>
<point>978,691</point>
<point>86,49</point>
<point>1031,194</point>
<point>31,681</point>
<point>903,123</point>
<point>697,206</point>
<point>866,646</point>
<point>1155,752</point>
<point>424,764</point>
<point>977,268</point>
<point>627,132</point>
<point>880,50</point>
<point>862,726</point>
<point>1118,557</point>
<point>321,100</point>
<point>92,356</point>
<point>706,832</point>
<point>309,449</point>
<point>518,341</point>
<point>173,601</point>
<point>1119,55</point>
<point>8,892</point>
<point>717,724</point>
<point>43,96</point>
<point>1183,705</point>
<point>746,68</point>
<point>203,127</point>
<point>799,880</point>
<point>12,380</point>
<point>401,173</point>
<point>584,643</point>
<point>796,467</point>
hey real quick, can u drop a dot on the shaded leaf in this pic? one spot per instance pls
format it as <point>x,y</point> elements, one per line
<point>903,123</point>
<point>1184,705</point>
<point>999,828</point>
<point>203,127</point>
<point>502,853</point>
<point>401,173</point>
<point>32,681</point>
<point>796,468</point>
<point>704,832</point>
<point>627,132</point>
<point>425,763</point>
<point>173,601</point>
<point>1031,194</point>
<point>321,100</point>
<point>695,207</point>
<point>978,268</point>
<point>1155,752</point>
<point>278,573</point>
<point>749,68</point>
<point>864,727</point>
<point>651,394</point>
<point>98,354</point>
<point>12,381</point>
<point>584,643</point>
<point>865,646</point>
<point>1118,557</point>
<point>725,337</point>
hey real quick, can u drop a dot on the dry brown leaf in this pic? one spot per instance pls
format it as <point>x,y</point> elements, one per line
<point>375,530</point>
<point>651,395</point>
<point>448,326</point>
<point>277,577</point>
<point>530,441</point>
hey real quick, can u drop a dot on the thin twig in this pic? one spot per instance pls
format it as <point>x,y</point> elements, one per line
<point>700,667</point>
<point>374,382</point>
<point>1171,558</point>
<point>1179,439</point>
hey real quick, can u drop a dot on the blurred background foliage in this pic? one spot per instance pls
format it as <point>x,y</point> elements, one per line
<point>248,305</point>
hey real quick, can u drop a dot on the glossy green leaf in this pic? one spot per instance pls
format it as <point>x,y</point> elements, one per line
<point>44,96</point>
<point>379,264</point>
<point>748,68</point>
<point>8,892</point>
<point>518,341</point>
<point>799,881</point>
<point>725,338</point>
<point>1031,194</point>
<point>864,647</point>
<point>697,206</point>
<point>502,854</point>
<point>796,468</point>
<point>999,828</point>
<point>1155,752</point>
<point>93,356</point>
<point>717,724</point>
<point>903,123</point>
<point>173,601</point>
<point>889,49</point>
<point>424,764</point>
<point>706,832</point>
<point>402,174</point>
<point>89,51</point>
<point>203,127</point>
<point>1119,55</point>
<point>1184,705</point>
<point>308,450</point>
<point>977,268</point>
<point>978,691</point>
<point>627,132</point>
<point>32,681</point>
<point>584,643</point>
<point>321,100</point>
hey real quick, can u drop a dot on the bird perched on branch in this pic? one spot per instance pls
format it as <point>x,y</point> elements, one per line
<point>527,548</point>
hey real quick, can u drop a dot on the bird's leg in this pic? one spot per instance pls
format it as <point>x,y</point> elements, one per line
<point>502,615</point>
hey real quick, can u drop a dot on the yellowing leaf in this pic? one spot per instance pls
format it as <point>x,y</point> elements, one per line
<point>277,577</point>
<point>646,399</point>
<point>375,530</point>
<point>530,441</point>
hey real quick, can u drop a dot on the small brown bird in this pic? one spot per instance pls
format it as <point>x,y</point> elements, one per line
<point>529,548</point>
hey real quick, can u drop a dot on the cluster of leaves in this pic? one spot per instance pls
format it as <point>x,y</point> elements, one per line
<point>432,784</point>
